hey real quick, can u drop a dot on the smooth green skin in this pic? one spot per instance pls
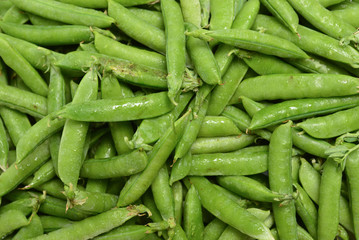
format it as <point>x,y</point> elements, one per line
<point>51,223</point>
<point>18,172</point>
<point>95,225</point>
<point>218,126</point>
<point>283,11</point>
<point>347,11</point>
<point>90,47</point>
<point>298,86</point>
<point>54,187</point>
<point>64,12</point>
<point>222,94</point>
<point>327,3</point>
<point>108,46</point>
<point>18,63</point>
<point>175,46</point>
<point>4,7</point>
<point>192,215</point>
<point>178,192</point>
<point>150,130</point>
<point>311,41</point>
<point>351,170</point>
<point>108,110</point>
<point>255,41</point>
<point>222,144</point>
<point>138,184</point>
<point>251,107</point>
<point>15,15</point>
<point>74,134</point>
<point>310,180</point>
<point>45,173</point>
<point>317,65</point>
<point>133,232</point>
<point>111,88</point>
<point>10,221</point>
<point>295,167</point>
<point>37,134</point>
<point>55,100</point>
<point>153,17</point>
<point>300,109</point>
<point>35,55</point>
<point>37,20</point>
<point>205,12</point>
<point>24,205</point>
<point>280,179</point>
<point>30,103</point>
<point>130,3</point>
<point>234,163</point>
<point>191,11</point>
<point>264,64</point>
<point>203,58</point>
<point>329,195</point>
<point>243,20</point>
<point>148,201</point>
<point>323,19</point>
<point>214,229</point>
<point>181,168</point>
<point>3,73</point>
<point>33,229</point>
<point>302,233</point>
<point>342,233</point>
<point>229,211</point>
<point>306,210</point>
<point>4,147</point>
<point>331,125</point>
<point>96,185</point>
<point>163,196</point>
<point>179,233</point>
<point>137,28</point>
<point>117,166</point>
<point>191,131</point>
<point>201,96</point>
<point>126,71</point>
<point>249,188</point>
<point>48,35</point>
<point>87,3</point>
<point>232,233</point>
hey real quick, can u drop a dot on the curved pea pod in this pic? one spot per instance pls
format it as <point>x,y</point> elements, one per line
<point>202,58</point>
<point>101,223</point>
<point>214,229</point>
<point>22,67</point>
<point>181,168</point>
<point>284,12</point>
<point>51,223</point>
<point>48,35</point>
<point>41,21</point>
<point>122,165</point>
<point>218,126</point>
<point>239,162</point>
<point>300,109</point>
<point>17,173</point>
<point>298,86</point>
<point>254,41</point>
<point>87,4</point>
<point>10,221</point>
<point>45,173</point>
<point>250,189</point>
<point>4,147</point>
<point>347,11</point>
<point>64,12</point>
<point>15,15</point>
<point>332,125</point>
<point>136,74</point>
<point>192,215</point>
<point>107,110</point>
<point>111,47</point>
<point>222,144</point>
<point>129,231</point>
<point>33,229</point>
<point>229,211</point>
<point>311,41</point>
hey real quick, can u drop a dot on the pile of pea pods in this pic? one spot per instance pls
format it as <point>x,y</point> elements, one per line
<point>183,120</point>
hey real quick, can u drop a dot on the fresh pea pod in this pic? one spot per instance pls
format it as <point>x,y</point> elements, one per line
<point>33,229</point>
<point>217,126</point>
<point>88,3</point>
<point>152,16</point>
<point>10,221</point>
<point>107,110</point>
<point>214,229</point>
<point>51,223</point>
<point>4,147</point>
<point>192,215</point>
<point>64,12</point>
<point>41,21</point>
<point>300,109</point>
<point>45,173</point>
<point>15,15</point>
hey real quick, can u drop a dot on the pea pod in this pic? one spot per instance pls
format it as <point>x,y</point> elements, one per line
<point>10,221</point>
<point>192,215</point>
<point>33,229</point>
<point>4,147</point>
<point>66,13</point>
<point>51,223</point>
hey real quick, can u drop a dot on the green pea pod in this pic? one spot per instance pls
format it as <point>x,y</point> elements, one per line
<point>74,136</point>
<point>218,126</point>
<point>147,199</point>
<point>298,86</point>
<point>139,183</point>
<point>214,229</point>
<point>300,109</point>
<point>104,222</point>
<point>346,11</point>
<point>252,40</point>
<point>117,166</point>
<point>51,223</point>
<point>34,229</point>
<point>108,110</point>
<point>55,35</point>
<point>66,13</point>
<point>10,221</point>
<point>45,173</point>
<point>192,215</point>
<point>338,123</point>
<point>151,16</point>
<point>15,15</point>
<point>18,172</point>
<point>130,231</point>
<point>178,193</point>
<point>37,20</point>
<point>4,147</point>
<point>175,47</point>
<point>280,179</point>
<point>191,11</point>
<point>181,168</point>
<point>87,4</point>
<point>228,211</point>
